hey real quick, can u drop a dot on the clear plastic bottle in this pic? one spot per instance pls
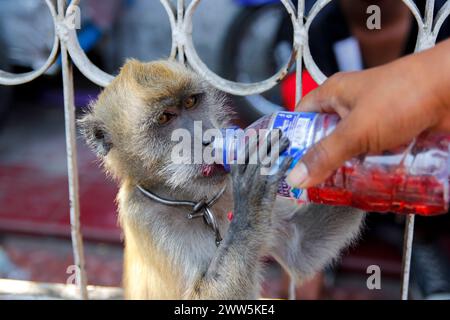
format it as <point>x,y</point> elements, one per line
<point>411,179</point>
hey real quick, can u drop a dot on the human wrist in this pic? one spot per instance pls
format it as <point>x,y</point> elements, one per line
<point>438,66</point>
<point>428,74</point>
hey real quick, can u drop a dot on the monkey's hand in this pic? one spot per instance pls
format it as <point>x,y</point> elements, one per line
<point>234,271</point>
<point>254,191</point>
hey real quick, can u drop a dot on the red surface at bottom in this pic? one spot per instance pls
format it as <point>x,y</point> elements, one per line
<point>35,200</point>
<point>380,191</point>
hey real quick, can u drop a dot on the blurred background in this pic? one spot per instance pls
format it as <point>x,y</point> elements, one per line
<point>241,40</point>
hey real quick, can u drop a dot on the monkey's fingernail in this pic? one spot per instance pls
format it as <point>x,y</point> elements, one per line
<point>298,176</point>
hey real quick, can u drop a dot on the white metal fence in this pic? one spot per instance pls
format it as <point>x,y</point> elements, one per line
<point>180,16</point>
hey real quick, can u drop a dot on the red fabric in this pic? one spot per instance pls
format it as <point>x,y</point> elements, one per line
<point>288,88</point>
<point>34,196</point>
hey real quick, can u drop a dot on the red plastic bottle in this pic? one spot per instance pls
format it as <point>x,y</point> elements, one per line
<point>411,179</point>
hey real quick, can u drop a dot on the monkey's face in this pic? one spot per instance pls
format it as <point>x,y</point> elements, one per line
<point>138,119</point>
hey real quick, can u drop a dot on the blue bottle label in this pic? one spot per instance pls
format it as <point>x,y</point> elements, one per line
<point>298,127</point>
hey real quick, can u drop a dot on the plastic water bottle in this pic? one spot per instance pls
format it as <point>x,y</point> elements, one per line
<point>411,179</point>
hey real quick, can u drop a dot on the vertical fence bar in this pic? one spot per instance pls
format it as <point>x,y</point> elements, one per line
<point>298,39</point>
<point>180,20</point>
<point>407,252</point>
<point>71,147</point>
<point>429,15</point>
<point>291,290</point>
<point>425,41</point>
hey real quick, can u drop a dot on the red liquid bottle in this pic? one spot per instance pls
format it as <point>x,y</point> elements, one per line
<point>411,179</point>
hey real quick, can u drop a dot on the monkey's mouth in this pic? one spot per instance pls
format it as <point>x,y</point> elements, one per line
<point>211,170</point>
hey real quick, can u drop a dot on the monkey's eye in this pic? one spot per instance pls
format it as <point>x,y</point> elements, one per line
<point>165,117</point>
<point>190,102</point>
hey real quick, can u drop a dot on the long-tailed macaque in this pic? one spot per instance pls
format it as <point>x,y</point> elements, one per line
<point>168,256</point>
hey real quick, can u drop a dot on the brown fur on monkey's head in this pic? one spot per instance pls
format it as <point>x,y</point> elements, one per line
<point>130,124</point>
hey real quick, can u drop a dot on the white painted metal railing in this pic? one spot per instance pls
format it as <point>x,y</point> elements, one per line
<point>180,17</point>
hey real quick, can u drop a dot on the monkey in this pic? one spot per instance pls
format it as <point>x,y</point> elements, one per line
<point>167,255</point>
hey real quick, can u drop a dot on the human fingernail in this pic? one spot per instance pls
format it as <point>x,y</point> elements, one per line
<point>298,175</point>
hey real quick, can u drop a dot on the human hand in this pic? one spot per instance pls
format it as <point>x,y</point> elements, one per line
<point>381,108</point>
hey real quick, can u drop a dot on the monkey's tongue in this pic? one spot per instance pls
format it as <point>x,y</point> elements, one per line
<point>210,169</point>
<point>207,170</point>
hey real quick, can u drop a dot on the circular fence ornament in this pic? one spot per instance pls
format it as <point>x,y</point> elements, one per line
<point>184,35</point>
<point>8,78</point>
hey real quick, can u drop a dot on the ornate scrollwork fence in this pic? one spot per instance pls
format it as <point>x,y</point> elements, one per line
<point>180,17</point>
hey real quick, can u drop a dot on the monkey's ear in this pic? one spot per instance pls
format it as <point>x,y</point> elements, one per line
<point>95,134</point>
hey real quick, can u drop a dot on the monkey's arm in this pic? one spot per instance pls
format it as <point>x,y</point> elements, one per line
<point>312,236</point>
<point>234,271</point>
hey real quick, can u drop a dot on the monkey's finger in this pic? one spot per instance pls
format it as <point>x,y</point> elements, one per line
<point>247,145</point>
<point>267,144</point>
<point>252,149</point>
<point>277,148</point>
<point>281,173</point>
<point>284,167</point>
<point>284,144</point>
<point>272,138</point>
<point>242,154</point>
